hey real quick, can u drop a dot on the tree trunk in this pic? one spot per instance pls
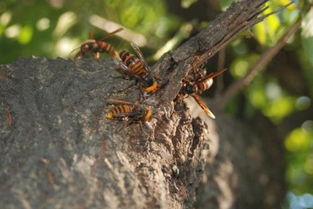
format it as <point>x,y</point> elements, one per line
<point>59,151</point>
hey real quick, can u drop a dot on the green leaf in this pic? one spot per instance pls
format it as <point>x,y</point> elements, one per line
<point>307,36</point>
<point>260,32</point>
<point>224,4</point>
<point>25,35</point>
<point>266,31</point>
<point>298,140</point>
<point>280,108</point>
<point>187,3</point>
<point>307,44</point>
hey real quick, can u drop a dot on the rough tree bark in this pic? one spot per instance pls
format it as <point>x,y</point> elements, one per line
<point>59,151</point>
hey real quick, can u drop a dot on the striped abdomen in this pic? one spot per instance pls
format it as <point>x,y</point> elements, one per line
<point>120,112</point>
<point>104,47</point>
<point>202,86</point>
<point>133,63</point>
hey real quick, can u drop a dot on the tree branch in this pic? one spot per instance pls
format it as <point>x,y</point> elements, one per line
<point>196,51</point>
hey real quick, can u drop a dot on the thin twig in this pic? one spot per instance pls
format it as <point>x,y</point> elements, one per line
<point>258,66</point>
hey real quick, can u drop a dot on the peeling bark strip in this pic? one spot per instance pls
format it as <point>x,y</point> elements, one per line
<point>57,150</point>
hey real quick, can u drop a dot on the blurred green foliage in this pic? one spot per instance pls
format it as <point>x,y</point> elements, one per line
<point>299,145</point>
<point>54,27</point>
